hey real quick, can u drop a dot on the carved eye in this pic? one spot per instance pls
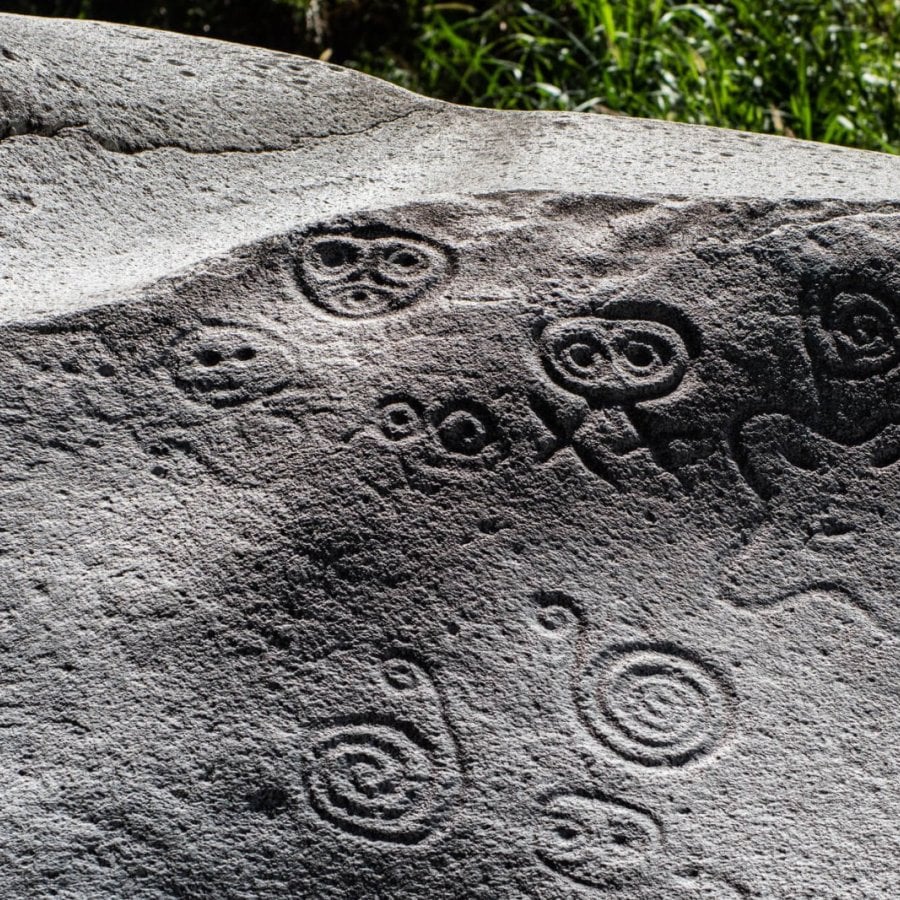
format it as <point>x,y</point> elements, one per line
<point>208,356</point>
<point>401,261</point>
<point>584,356</point>
<point>334,254</point>
<point>463,432</point>
<point>405,258</point>
<point>642,353</point>
<point>399,420</point>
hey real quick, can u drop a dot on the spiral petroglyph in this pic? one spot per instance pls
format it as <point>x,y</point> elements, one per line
<point>855,331</point>
<point>375,780</point>
<point>379,775</point>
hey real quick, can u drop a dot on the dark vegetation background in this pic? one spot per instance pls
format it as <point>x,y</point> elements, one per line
<point>826,70</point>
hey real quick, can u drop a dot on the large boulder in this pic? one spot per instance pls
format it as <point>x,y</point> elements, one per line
<point>402,500</point>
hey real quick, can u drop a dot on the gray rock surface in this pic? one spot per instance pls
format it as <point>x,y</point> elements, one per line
<point>406,501</point>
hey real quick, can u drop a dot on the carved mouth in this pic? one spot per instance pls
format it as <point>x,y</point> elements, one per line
<point>363,299</point>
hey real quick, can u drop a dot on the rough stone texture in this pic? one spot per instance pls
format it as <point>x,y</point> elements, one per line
<point>405,501</point>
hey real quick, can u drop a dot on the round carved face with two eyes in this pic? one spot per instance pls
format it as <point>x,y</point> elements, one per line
<point>224,366</point>
<point>358,276</point>
<point>614,361</point>
<point>595,840</point>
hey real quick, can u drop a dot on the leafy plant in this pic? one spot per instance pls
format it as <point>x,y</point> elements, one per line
<point>825,70</point>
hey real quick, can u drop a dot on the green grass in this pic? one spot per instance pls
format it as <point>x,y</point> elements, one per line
<point>826,70</point>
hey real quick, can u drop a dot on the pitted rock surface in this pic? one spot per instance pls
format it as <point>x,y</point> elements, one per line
<point>406,501</point>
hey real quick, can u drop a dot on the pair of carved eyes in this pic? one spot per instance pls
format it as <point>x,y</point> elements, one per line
<point>225,366</point>
<point>614,360</point>
<point>595,840</point>
<point>462,428</point>
<point>389,261</point>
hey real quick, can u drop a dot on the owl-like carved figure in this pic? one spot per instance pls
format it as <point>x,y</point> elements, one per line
<point>833,520</point>
<point>614,361</point>
<point>614,364</point>
<point>365,272</point>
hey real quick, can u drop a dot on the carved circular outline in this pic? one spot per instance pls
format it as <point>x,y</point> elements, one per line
<point>451,445</point>
<point>378,283</point>
<point>640,359</point>
<point>833,345</point>
<point>348,764</point>
<point>646,742</point>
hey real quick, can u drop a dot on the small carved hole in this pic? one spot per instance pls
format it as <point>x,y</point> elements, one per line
<point>582,355</point>
<point>640,355</point>
<point>209,357</point>
<point>244,354</point>
<point>403,258</point>
<point>399,417</point>
<point>554,618</point>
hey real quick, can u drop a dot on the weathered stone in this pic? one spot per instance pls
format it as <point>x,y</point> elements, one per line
<point>406,501</point>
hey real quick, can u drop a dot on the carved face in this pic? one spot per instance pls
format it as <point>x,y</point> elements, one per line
<point>594,840</point>
<point>359,277</point>
<point>227,366</point>
<point>614,361</point>
<point>833,521</point>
